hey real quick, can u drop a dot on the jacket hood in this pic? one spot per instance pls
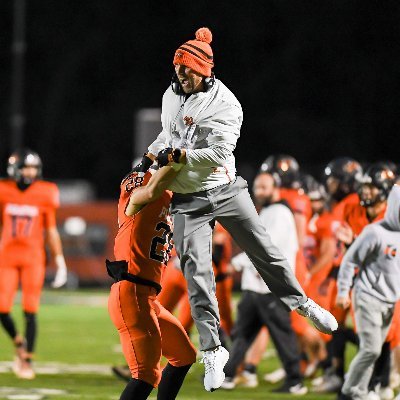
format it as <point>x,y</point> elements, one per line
<point>392,215</point>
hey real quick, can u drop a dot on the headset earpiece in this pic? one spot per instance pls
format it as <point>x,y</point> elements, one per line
<point>209,82</point>
<point>176,86</point>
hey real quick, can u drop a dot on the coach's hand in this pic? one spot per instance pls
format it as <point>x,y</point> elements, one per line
<point>144,164</point>
<point>343,301</point>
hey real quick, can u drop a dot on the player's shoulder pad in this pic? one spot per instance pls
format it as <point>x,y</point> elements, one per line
<point>50,193</point>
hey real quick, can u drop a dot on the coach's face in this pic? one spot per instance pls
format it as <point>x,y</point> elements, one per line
<point>263,189</point>
<point>190,80</point>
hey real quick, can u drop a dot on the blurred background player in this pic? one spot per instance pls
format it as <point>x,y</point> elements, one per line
<point>142,248</point>
<point>287,172</point>
<point>374,189</point>
<point>258,307</point>
<point>28,207</point>
<point>376,290</point>
<point>342,177</point>
<point>319,250</point>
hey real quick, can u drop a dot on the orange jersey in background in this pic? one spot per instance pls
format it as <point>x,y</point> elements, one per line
<point>356,216</point>
<point>24,216</point>
<point>319,228</point>
<point>298,202</point>
<point>144,240</point>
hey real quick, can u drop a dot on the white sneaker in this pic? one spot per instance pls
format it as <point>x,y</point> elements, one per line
<point>386,393</point>
<point>330,384</point>
<point>323,320</point>
<point>372,396</point>
<point>311,369</point>
<point>214,362</point>
<point>25,371</point>
<point>228,384</point>
<point>275,376</point>
<point>246,379</point>
<point>319,380</point>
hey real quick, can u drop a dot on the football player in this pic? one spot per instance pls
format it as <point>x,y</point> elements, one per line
<point>142,247</point>
<point>27,210</point>
<point>375,186</point>
<point>287,173</point>
<point>342,177</point>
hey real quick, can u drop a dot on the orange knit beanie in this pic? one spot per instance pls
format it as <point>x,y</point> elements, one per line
<point>197,54</point>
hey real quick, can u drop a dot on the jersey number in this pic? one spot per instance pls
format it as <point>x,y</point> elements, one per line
<point>21,225</point>
<point>161,240</point>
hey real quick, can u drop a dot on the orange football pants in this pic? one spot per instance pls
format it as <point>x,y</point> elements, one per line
<point>28,270</point>
<point>147,331</point>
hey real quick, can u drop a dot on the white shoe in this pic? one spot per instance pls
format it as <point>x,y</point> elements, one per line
<point>323,320</point>
<point>228,384</point>
<point>25,371</point>
<point>275,376</point>
<point>311,369</point>
<point>372,396</point>
<point>386,393</point>
<point>319,380</point>
<point>214,362</point>
<point>246,379</point>
<point>330,384</point>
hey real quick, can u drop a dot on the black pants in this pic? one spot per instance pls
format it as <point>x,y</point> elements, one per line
<point>255,311</point>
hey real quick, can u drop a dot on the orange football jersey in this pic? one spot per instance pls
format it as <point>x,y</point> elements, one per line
<point>356,216</point>
<point>24,216</point>
<point>319,228</point>
<point>299,203</point>
<point>145,239</point>
<point>338,218</point>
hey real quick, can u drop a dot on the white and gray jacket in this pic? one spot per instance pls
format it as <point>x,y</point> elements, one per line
<point>207,125</point>
<point>376,252</point>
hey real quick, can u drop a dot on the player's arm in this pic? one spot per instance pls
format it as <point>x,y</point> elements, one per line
<point>158,183</point>
<point>327,251</point>
<point>301,227</point>
<point>54,242</point>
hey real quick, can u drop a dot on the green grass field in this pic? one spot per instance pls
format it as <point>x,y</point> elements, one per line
<point>74,330</point>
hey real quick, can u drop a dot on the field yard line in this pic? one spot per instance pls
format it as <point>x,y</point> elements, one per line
<point>53,368</point>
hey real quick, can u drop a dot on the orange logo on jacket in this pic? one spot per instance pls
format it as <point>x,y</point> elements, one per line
<point>390,251</point>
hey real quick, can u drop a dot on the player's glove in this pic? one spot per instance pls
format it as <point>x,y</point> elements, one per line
<point>168,155</point>
<point>61,274</point>
<point>144,164</point>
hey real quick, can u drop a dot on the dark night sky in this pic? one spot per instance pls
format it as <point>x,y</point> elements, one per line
<point>316,79</point>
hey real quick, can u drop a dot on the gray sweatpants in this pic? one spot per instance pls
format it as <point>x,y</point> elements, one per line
<point>373,319</point>
<point>232,206</point>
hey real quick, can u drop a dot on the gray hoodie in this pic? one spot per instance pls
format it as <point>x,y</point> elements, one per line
<point>376,252</point>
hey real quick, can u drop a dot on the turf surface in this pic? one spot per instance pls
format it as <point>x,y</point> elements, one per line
<point>74,328</point>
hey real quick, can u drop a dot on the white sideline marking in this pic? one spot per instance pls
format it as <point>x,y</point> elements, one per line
<point>49,368</point>
<point>13,393</point>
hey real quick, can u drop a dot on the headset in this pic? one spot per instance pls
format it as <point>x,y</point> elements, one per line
<point>177,88</point>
